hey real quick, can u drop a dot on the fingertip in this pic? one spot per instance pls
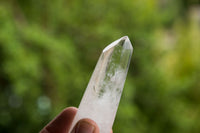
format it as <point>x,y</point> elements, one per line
<point>69,111</point>
<point>86,125</point>
<point>62,123</point>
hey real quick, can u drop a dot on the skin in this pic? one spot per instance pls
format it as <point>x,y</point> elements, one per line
<point>62,123</point>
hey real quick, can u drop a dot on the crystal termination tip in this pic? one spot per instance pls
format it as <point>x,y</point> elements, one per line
<point>123,40</point>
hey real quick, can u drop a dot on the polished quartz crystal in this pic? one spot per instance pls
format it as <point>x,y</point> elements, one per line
<point>102,95</point>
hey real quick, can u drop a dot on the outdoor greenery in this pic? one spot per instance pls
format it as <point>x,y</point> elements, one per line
<point>48,50</point>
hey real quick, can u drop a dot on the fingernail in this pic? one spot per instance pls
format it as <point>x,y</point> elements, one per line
<point>84,127</point>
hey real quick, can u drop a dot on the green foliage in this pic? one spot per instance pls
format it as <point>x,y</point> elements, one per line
<point>48,50</point>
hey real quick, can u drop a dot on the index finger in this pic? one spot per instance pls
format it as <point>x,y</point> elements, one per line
<point>62,123</point>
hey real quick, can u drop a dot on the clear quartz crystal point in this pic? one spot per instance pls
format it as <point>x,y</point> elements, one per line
<point>102,95</point>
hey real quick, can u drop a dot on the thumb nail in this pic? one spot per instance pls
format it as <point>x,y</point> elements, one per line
<point>84,126</point>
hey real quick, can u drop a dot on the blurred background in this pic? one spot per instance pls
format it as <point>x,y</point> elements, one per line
<point>48,50</point>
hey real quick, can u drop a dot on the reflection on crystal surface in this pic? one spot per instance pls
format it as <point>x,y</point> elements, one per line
<point>102,95</point>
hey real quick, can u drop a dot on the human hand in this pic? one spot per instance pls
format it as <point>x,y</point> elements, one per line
<point>62,123</point>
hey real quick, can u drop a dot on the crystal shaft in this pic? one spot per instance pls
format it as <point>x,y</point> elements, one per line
<point>102,95</point>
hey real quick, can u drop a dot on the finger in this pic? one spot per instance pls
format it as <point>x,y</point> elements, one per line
<point>62,123</point>
<point>86,126</point>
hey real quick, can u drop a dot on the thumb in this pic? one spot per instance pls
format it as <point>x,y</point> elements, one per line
<point>85,126</point>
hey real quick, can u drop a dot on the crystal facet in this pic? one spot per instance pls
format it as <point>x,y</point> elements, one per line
<point>102,95</point>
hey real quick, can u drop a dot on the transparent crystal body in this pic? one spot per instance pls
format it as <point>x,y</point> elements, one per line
<point>102,95</point>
